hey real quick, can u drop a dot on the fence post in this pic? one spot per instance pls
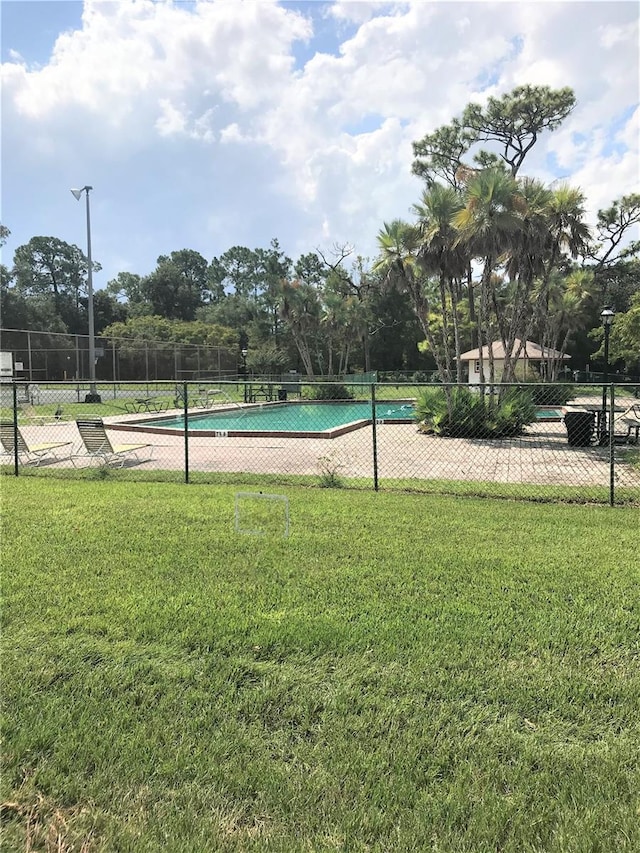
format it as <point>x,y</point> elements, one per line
<point>29,356</point>
<point>185,391</point>
<point>374,435</point>
<point>612,445</point>
<point>14,388</point>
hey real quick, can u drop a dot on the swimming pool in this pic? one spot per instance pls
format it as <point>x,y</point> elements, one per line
<point>548,413</point>
<point>298,420</point>
<point>291,420</point>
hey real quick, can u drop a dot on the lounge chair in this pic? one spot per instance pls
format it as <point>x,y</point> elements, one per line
<point>98,445</point>
<point>30,453</point>
<point>146,404</point>
<point>206,396</point>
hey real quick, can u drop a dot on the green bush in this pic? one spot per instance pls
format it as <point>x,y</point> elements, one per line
<point>327,391</point>
<point>420,376</point>
<point>470,414</point>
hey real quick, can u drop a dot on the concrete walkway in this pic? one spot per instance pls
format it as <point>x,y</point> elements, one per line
<point>540,457</point>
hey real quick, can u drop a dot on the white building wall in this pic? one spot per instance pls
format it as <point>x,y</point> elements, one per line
<point>474,370</point>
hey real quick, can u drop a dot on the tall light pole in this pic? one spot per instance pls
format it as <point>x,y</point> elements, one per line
<point>606,315</point>
<point>92,396</point>
<point>244,352</point>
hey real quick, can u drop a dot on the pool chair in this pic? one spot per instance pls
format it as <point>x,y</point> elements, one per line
<point>97,445</point>
<point>31,454</point>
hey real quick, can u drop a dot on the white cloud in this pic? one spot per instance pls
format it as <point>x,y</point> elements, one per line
<point>612,36</point>
<point>232,133</point>
<point>358,11</point>
<point>171,120</point>
<point>217,84</point>
<point>600,172</point>
<point>127,53</point>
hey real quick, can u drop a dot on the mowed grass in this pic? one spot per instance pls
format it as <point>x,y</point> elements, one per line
<point>402,673</point>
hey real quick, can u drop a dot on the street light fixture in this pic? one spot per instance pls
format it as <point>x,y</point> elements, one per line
<point>606,315</point>
<point>92,396</point>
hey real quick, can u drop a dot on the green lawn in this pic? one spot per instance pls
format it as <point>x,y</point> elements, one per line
<point>403,673</point>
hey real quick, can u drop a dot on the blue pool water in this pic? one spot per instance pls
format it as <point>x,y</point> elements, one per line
<point>300,418</point>
<point>289,417</point>
<point>548,414</point>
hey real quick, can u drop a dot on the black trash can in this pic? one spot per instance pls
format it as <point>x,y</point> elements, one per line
<point>282,395</point>
<point>580,426</point>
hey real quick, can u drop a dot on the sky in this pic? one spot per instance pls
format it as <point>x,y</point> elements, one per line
<point>206,125</point>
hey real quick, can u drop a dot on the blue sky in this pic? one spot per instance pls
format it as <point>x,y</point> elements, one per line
<point>205,125</point>
<point>31,27</point>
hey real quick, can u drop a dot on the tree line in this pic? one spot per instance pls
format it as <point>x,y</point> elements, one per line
<point>490,256</point>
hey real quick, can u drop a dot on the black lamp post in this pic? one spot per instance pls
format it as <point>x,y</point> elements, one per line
<point>607,314</point>
<point>244,352</point>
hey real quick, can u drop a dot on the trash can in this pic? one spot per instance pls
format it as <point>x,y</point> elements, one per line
<point>282,395</point>
<point>580,426</point>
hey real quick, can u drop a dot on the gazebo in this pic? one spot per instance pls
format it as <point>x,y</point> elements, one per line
<point>531,355</point>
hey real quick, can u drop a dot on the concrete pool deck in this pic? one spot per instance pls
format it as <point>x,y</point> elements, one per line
<point>542,456</point>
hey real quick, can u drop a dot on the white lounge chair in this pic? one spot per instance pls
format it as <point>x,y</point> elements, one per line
<point>30,453</point>
<point>98,445</point>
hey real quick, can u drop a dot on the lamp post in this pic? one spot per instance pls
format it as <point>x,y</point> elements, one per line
<point>244,352</point>
<point>606,315</point>
<point>92,396</point>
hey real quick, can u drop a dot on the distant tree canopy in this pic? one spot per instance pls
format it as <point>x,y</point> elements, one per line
<point>164,329</point>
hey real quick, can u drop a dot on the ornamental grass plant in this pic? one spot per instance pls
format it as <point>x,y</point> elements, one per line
<point>465,413</point>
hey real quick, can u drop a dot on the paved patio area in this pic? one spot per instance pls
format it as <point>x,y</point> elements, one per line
<point>540,457</point>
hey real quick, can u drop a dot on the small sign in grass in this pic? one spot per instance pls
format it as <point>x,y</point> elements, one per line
<point>260,514</point>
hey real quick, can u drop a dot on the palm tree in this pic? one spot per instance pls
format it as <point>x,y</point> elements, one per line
<point>439,253</point>
<point>357,322</point>
<point>398,242</point>
<point>555,228</point>
<point>567,225</point>
<point>398,263</point>
<point>570,298</point>
<point>530,246</point>
<point>333,320</point>
<point>488,226</point>
<point>299,307</point>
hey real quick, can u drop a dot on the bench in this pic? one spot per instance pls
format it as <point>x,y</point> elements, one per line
<point>265,392</point>
<point>631,421</point>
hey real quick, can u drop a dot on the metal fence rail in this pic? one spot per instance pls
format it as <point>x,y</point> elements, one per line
<point>577,442</point>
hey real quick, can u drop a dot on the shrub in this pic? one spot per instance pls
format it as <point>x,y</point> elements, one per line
<point>420,376</point>
<point>329,467</point>
<point>470,414</point>
<point>328,391</point>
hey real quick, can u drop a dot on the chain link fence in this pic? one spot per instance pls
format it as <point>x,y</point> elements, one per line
<point>551,442</point>
<point>52,356</point>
